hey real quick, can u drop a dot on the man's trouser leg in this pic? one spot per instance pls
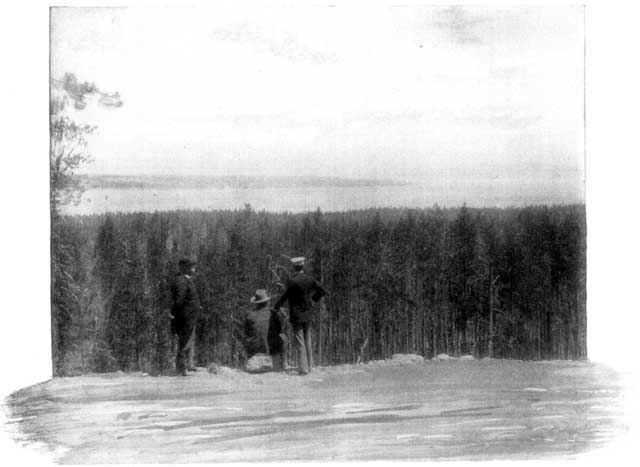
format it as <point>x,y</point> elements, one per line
<point>185,343</point>
<point>192,350</point>
<point>277,361</point>
<point>307,345</point>
<point>301,347</point>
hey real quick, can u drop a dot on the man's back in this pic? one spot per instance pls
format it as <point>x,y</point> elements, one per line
<point>301,289</point>
<point>186,304</point>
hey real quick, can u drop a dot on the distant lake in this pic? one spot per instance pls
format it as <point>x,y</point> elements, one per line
<point>475,193</point>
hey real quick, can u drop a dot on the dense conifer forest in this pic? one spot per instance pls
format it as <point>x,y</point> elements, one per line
<point>503,283</point>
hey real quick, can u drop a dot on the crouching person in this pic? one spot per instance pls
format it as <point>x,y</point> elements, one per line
<point>265,331</point>
<point>256,324</point>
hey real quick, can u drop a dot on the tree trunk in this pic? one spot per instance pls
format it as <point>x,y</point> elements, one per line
<point>491,284</point>
<point>320,336</point>
<point>490,349</point>
<point>434,339</point>
<point>539,332</point>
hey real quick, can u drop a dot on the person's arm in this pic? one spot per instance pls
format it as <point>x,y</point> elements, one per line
<point>319,291</point>
<point>172,294</point>
<point>194,293</point>
<point>282,299</point>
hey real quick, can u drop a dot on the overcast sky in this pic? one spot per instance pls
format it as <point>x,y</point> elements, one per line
<point>376,92</point>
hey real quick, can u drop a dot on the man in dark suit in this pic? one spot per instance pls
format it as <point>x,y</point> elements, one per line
<point>185,311</point>
<point>301,290</point>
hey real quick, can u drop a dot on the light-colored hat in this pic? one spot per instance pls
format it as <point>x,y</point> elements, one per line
<point>298,261</point>
<point>260,296</point>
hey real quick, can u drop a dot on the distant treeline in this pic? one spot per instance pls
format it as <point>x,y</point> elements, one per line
<point>507,283</point>
<point>168,182</point>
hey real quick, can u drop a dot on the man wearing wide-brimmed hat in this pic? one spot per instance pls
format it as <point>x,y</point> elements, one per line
<point>185,311</point>
<point>265,331</point>
<point>301,290</point>
<point>256,324</point>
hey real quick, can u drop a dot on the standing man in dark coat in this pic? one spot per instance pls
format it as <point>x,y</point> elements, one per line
<point>301,290</point>
<point>185,311</point>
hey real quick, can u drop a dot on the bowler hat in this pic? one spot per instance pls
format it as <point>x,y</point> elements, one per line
<point>186,263</point>
<point>260,296</point>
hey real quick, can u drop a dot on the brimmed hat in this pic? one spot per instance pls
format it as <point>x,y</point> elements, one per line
<point>186,263</point>
<point>260,296</point>
<point>298,261</point>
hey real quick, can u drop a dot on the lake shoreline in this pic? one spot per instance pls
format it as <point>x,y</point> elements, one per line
<point>327,199</point>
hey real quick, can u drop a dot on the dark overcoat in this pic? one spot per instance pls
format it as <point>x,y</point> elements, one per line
<point>277,336</point>
<point>185,307</point>
<point>256,326</point>
<point>301,290</point>
<point>265,331</point>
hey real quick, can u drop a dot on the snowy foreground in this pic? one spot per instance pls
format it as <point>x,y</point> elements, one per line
<point>397,409</point>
